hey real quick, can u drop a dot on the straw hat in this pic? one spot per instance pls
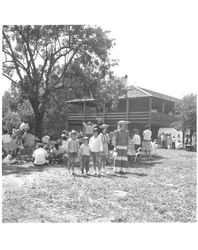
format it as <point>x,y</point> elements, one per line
<point>95,129</point>
<point>123,122</point>
<point>73,132</point>
<point>86,138</point>
<point>104,126</point>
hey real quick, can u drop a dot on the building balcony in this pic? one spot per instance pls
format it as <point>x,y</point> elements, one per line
<point>113,117</point>
<point>136,117</point>
<point>160,118</point>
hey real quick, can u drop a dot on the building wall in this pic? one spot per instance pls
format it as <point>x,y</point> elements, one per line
<point>139,104</point>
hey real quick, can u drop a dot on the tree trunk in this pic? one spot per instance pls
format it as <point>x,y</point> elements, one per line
<point>39,115</point>
<point>38,124</point>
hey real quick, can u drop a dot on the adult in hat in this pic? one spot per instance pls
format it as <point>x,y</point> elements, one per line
<point>88,129</point>
<point>121,146</point>
<point>105,141</point>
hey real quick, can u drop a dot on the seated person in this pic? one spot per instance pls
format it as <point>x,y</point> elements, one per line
<point>9,159</point>
<point>40,156</point>
<point>28,142</point>
<point>57,153</point>
<point>5,137</point>
<point>46,139</point>
<point>24,126</point>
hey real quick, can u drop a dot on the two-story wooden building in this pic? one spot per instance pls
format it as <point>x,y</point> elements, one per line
<point>140,107</point>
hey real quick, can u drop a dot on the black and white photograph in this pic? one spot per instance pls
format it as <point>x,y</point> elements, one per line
<point>99,119</point>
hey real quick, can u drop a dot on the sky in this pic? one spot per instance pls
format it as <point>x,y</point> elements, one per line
<point>156,44</point>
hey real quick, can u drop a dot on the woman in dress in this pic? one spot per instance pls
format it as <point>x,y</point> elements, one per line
<point>121,147</point>
<point>146,143</point>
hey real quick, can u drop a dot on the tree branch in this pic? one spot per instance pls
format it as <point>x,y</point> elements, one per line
<point>13,57</point>
<point>9,78</point>
<point>28,49</point>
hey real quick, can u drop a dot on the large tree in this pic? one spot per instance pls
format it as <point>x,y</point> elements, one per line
<point>186,112</point>
<point>41,60</point>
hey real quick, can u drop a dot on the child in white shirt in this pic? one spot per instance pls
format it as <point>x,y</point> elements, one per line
<point>96,147</point>
<point>136,139</point>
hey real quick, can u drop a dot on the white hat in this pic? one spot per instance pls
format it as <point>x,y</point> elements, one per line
<point>73,132</point>
<point>104,126</point>
<point>123,122</point>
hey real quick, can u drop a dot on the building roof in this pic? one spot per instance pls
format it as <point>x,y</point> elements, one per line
<point>81,100</point>
<point>134,92</point>
<point>160,95</point>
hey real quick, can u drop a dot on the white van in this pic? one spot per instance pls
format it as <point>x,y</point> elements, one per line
<point>172,132</point>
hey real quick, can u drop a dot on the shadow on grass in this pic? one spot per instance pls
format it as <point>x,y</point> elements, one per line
<point>146,163</point>
<point>138,174</point>
<point>26,169</point>
<point>110,176</point>
<point>16,169</point>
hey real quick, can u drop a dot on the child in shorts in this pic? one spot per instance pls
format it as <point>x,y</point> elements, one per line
<point>85,153</point>
<point>73,150</point>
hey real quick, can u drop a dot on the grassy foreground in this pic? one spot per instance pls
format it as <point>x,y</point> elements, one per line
<point>159,190</point>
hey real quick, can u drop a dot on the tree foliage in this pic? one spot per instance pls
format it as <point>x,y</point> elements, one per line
<point>186,112</point>
<point>41,60</point>
<point>14,112</point>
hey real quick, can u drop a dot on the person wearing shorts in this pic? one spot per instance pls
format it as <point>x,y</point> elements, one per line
<point>73,150</point>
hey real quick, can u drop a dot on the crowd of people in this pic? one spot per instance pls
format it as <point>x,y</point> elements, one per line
<point>167,141</point>
<point>95,144</point>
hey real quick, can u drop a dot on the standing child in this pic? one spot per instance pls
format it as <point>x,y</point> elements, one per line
<point>137,139</point>
<point>96,146</point>
<point>131,147</point>
<point>73,150</point>
<point>105,141</point>
<point>154,146</point>
<point>85,152</point>
<point>64,146</point>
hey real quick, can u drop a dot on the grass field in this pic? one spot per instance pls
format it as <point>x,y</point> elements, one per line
<point>159,190</point>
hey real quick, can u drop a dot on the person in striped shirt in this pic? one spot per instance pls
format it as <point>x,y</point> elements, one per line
<point>73,151</point>
<point>121,147</point>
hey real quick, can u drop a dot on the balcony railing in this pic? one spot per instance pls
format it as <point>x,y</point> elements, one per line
<point>115,116</point>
